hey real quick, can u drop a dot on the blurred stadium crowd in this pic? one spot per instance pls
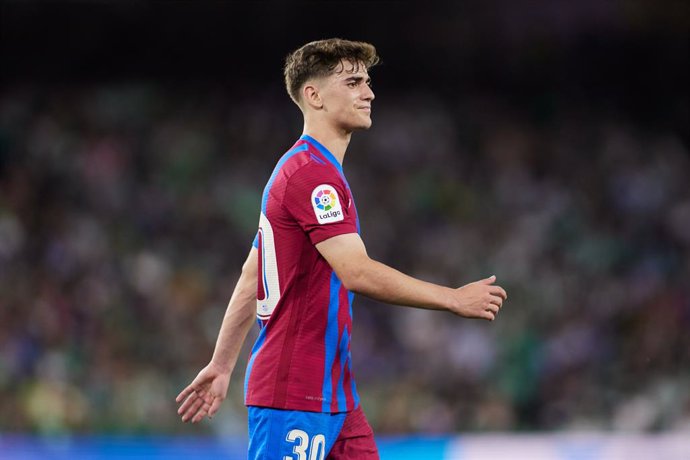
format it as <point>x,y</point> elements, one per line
<point>127,209</point>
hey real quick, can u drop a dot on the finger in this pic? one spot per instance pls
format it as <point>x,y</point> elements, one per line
<point>187,403</point>
<point>489,280</point>
<point>499,291</point>
<point>191,406</point>
<point>488,315</point>
<point>203,412</point>
<point>193,409</point>
<point>505,294</point>
<point>492,308</point>
<point>214,407</point>
<point>199,416</point>
<point>184,393</point>
<point>191,399</point>
<point>495,300</point>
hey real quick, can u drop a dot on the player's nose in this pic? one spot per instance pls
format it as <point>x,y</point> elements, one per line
<point>368,93</point>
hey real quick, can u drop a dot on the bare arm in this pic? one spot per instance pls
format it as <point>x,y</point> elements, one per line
<point>207,391</point>
<point>239,316</point>
<point>363,275</point>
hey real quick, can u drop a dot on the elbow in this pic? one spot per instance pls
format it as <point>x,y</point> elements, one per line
<point>249,269</point>
<point>354,277</point>
<point>350,282</point>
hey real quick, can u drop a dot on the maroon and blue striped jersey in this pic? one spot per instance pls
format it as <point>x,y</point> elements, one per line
<point>301,359</point>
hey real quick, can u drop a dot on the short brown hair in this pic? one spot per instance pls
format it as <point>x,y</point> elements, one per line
<point>321,58</point>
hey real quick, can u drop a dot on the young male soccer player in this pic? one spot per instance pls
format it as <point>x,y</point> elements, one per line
<point>299,278</point>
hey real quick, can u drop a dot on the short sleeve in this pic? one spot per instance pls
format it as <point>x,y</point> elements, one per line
<point>255,243</point>
<point>317,198</point>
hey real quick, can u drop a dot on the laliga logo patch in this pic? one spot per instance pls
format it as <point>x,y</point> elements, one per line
<point>326,205</point>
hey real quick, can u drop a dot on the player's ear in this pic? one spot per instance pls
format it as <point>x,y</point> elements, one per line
<point>311,95</point>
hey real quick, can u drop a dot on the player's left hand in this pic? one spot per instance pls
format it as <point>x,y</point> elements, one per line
<point>203,396</point>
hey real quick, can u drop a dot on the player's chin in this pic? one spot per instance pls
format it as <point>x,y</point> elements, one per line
<point>365,124</point>
<point>357,124</point>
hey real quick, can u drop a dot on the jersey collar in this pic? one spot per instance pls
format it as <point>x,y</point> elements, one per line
<point>324,151</point>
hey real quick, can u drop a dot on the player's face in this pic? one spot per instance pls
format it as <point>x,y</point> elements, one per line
<point>347,97</point>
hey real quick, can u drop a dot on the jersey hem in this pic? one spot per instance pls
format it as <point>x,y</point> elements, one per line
<point>296,407</point>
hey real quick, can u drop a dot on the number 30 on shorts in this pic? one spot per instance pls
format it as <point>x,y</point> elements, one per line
<point>316,449</point>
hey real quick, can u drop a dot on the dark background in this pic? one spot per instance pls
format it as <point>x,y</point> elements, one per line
<point>622,55</point>
<point>544,141</point>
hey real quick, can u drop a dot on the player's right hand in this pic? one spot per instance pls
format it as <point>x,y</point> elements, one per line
<point>481,299</point>
<point>203,396</point>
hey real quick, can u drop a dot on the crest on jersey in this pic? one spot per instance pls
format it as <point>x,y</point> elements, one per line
<point>326,204</point>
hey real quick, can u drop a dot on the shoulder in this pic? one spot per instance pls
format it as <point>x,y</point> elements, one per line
<point>311,171</point>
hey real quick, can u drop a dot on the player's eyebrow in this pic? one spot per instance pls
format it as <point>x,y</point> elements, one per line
<point>357,79</point>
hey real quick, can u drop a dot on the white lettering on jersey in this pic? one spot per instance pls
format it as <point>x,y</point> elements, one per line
<point>327,207</point>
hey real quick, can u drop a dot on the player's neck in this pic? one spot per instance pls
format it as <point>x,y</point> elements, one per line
<point>336,141</point>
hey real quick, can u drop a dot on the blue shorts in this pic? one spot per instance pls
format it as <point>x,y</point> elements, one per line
<point>298,435</point>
